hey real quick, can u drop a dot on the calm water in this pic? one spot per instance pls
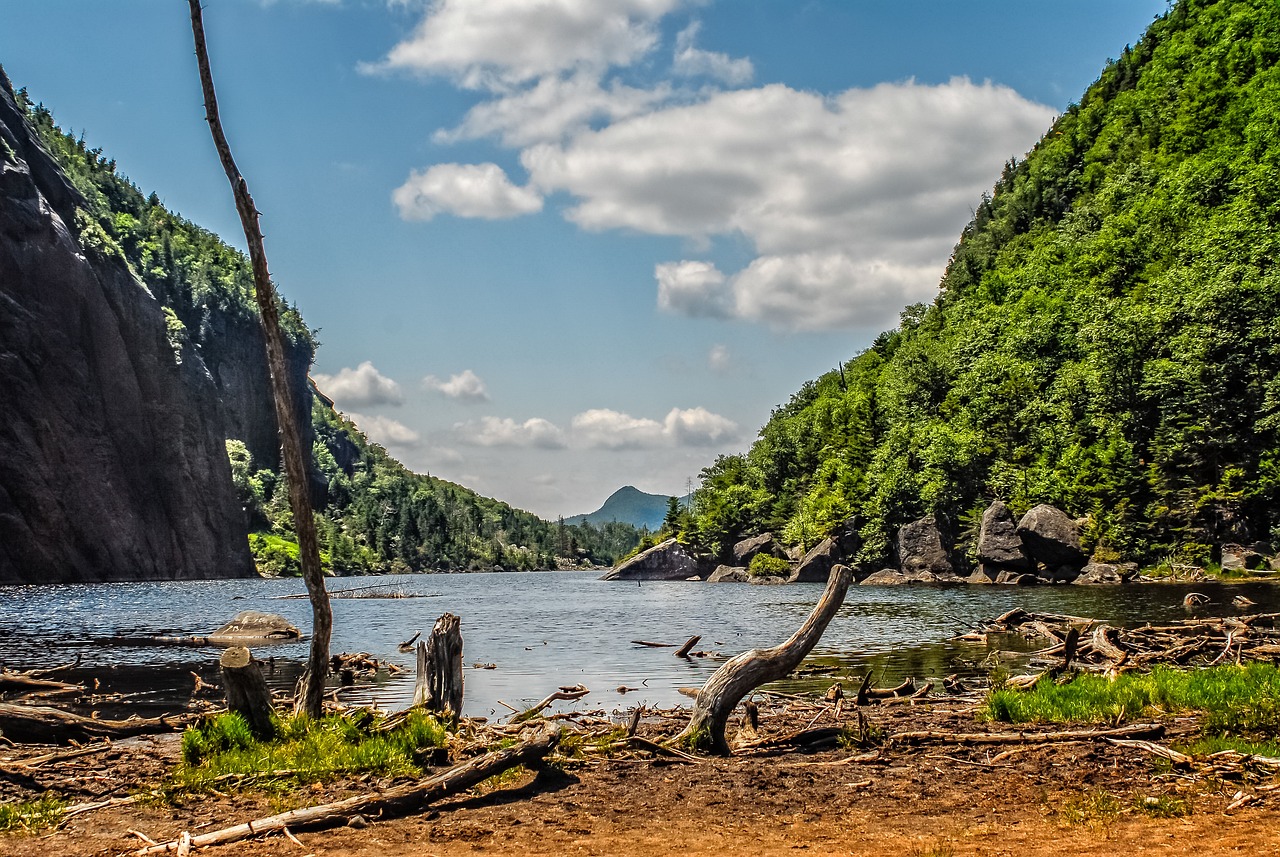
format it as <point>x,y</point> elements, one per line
<point>548,629</point>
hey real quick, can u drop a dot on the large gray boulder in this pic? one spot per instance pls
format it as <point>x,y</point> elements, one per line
<point>998,541</point>
<point>1240,558</point>
<point>920,548</point>
<point>729,574</point>
<point>848,537</point>
<point>667,561</point>
<point>747,549</point>
<point>893,577</point>
<point>816,565</point>
<point>1051,537</point>
<point>1102,574</point>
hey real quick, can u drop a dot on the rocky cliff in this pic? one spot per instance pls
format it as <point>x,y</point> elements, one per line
<point>113,463</point>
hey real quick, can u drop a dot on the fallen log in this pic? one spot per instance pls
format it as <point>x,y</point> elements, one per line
<point>399,800</point>
<point>568,694</point>
<point>744,673</point>
<point>683,651</point>
<point>1139,730</point>
<point>38,724</point>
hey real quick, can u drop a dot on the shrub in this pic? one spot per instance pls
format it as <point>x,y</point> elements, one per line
<point>763,565</point>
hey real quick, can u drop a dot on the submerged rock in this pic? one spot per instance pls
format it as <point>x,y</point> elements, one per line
<point>253,625</point>
<point>894,577</point>
<point>1100,574</point>
<point>667,561</point>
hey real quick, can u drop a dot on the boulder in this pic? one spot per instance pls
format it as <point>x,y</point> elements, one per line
<point>729,574</point>
<point>1013,578</point>
<point>920,548</point>
<point>848,537</point>
<point>816,565</point>
<point>893,577</point>
<point>747,549</point>
<point>1240,558</point>
<point>766,580</point>
<point>978,577</point>
<point>253,626</point>
<point>998,540</point>
<point>666,561</point>
<point>1101,574</point>
<point>1052,538</point>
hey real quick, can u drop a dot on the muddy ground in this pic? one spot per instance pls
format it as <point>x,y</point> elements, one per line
<point>932,799</point>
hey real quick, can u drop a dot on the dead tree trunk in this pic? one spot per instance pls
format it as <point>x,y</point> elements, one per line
<point>439,683</point>
<point>38,724</point>
<point>744,673</point>
<point>311,699</point>
<point>247,693</point>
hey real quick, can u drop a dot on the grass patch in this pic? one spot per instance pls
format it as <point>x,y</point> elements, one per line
<point>1162,806</point>
<point>1208,745</point>
<point>1098,809</point>
<point>29,816</point>
<point>1235,700</point>
<point>223,749</point>
<point>575,746</point>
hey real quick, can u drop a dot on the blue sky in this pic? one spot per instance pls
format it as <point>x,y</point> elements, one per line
<point>558,246</point>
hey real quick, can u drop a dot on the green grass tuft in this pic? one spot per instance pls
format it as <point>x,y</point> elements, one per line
<point>31,815</point>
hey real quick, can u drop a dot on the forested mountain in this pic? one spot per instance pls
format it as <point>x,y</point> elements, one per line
<point>631,506</point>
<point>1106,337</point>
<point>375,515</point>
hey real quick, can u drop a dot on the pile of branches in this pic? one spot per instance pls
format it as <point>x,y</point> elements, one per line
<point>1094,646</point>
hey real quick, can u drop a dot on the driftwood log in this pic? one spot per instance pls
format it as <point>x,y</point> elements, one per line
<point>38,724</point>
<point>399,800</point>
<point>439,680</point>
<point>297,475</point>
<point>744,673</point>
<point>246,689</point>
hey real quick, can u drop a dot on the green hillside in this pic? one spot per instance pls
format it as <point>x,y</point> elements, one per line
<point>1106,337</point>
<point>375,515</point>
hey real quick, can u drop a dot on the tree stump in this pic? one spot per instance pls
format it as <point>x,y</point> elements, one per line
<point>744,673</point>
<point>439,681</point>
<point>247,693</point>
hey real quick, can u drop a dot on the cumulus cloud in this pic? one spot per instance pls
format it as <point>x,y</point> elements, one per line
<point>691,61</point>
<point>602,428</point>
<point>385,430</point>
<point>466,386</point>
<point>497,431</point>
<point>553,108</point>
<point>465,190</point>
<point>499,43</point>
<point>361,386</point>
<point>874,181</point>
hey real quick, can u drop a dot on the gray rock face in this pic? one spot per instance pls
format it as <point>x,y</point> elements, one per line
<point>816,565</point>
<point>1052,538</point>
<point>1239,558</point>
<point>667,561</point>
<point>998,540</point>
<point>920,548</point>
<point>729,574</point>
<point>114,465</point>
<point>747,549</point>
<point>893,577</point>
<point>1101,574</point>
<point>766,580</point>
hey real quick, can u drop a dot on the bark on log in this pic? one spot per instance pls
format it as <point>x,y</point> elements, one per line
<point>744,673</point>
<point>36,724</point>
<point>439,682</point>
<point>311,699</point>
<point>247,693</point>
<point>683,651</point>
<point>394,801</point>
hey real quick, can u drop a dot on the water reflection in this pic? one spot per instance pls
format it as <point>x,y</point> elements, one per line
<point>543,630</point>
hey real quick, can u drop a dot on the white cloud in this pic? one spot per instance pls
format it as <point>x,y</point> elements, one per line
<point>690,61</point>
<point>553,108</point>
<point>871,183</point>
<point>465,190</point>
<point>497,431</point>
<point>385,430</point>
<point>694,288</point>
<point>718,358</point>
<point>363,385</point>
<point>602,428</point>
<point>466,386</point>
<point>497,43</point>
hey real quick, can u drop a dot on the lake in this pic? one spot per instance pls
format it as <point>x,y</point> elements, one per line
<point>547,629</point>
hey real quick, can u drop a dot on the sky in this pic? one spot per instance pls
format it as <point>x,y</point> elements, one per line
<point>555,247</point>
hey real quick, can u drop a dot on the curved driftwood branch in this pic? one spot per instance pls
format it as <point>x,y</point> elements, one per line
<point>744,673</point>
<point>311,699</point>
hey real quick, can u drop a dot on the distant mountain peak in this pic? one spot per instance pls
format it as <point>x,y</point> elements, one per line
<point>628,505</point>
